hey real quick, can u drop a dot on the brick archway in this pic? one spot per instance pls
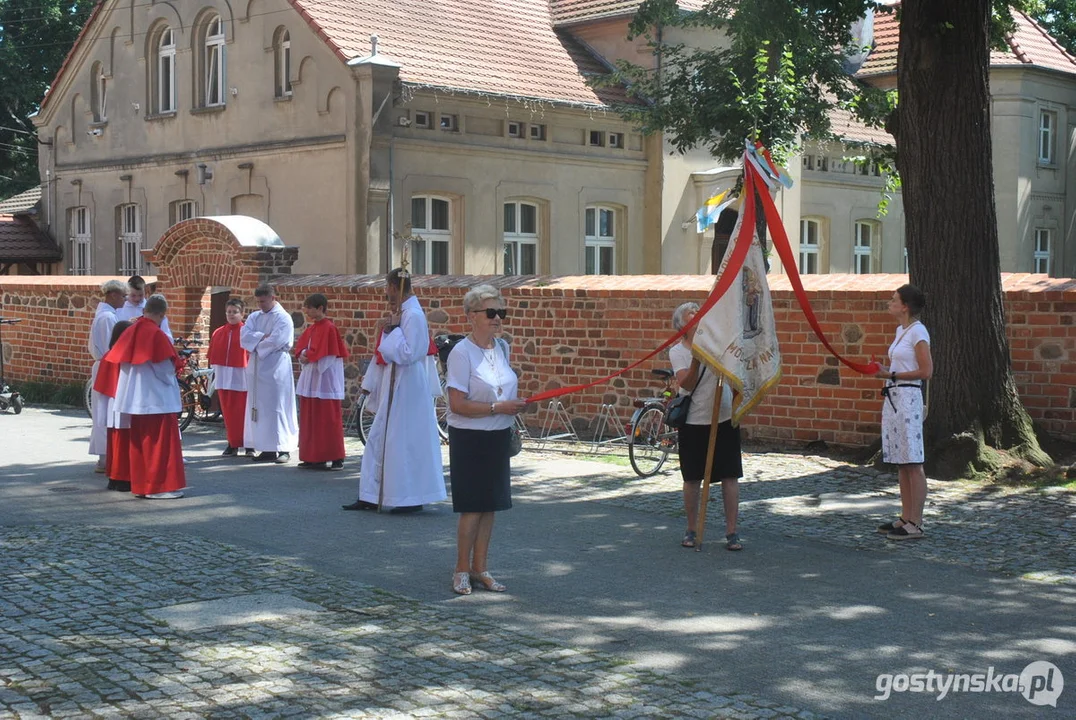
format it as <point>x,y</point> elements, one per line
<point>233,251</point>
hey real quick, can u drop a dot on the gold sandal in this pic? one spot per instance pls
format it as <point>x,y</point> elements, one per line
<point>486,581</point>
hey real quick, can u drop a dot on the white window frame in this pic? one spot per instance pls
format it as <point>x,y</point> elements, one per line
<point>906,260</point>
<point>861,250</point>
<point>536,131</point>
<point>81,241</point>
<point>596,138</point>
<point>215,59</point>
<point>616,140</point>
<point>515,129</point>
<point>184,210</point>
<point>449,122</point>
<point>1041,258</point>
<point>422,119</point>
<point>1047,124</point>
<point>130,239</point>
<point>809,250</point>
<point>515,240</point>
<point>283,65</point>
<point>597,244</point>
<point>431,235</point>
<point>166,58</point>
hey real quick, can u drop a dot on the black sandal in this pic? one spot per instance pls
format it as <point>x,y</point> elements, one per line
<point>902,533</point>
<point>890,526</point>
<point>689,539</point>
<point>732,542</point>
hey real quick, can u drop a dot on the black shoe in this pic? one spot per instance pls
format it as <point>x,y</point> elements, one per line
<point>337,465</point>
<point>229,451</point>
<point>406,509</point>
<point>313,466</point>
<point>360,505</point>
<point>282,458</point>
<point>264,457</point>
<point>119,485</point>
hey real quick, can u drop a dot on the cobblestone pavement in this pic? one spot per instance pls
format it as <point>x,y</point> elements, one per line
<point>79,640</point>
<point>1025,532</point>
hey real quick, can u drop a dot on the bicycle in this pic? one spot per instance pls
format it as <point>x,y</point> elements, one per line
<point>651,439</point>
<point>195,388</point>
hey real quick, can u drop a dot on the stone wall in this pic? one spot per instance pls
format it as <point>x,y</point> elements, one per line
<point>567,330</point>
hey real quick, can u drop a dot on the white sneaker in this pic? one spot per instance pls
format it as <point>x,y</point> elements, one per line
<point>100,466</point>
<point>165,496</point>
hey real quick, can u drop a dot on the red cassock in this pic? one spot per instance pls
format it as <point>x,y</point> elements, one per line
<point>154,445</point>
<point>321,423</point>
<point>226,352</point>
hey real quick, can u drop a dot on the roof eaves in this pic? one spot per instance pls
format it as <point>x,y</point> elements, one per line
<point>319,31</point>
<point>553,102</point>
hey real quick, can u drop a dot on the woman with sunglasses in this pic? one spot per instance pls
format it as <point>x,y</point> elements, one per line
<point>482,405</point>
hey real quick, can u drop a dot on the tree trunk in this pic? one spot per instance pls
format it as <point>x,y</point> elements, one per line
<point>944,156</point>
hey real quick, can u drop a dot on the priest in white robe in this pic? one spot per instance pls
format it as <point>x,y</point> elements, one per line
<point>135,304</point>
<point>270,424</point>
<point>401,466</point>
<point>112,292</point>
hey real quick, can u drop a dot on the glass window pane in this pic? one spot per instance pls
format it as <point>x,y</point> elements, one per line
<point>590,222</point>
<point>439,215</point>
<point>590,259</point>
<point>606,260</point>
<point>528,259</point>
<point>509,217</point>
<point>509,258</point>
<point>528,219</point>
<point>418,257</point>
<point>440,258</point>
<point>418,213</point>
<point>606,228</point>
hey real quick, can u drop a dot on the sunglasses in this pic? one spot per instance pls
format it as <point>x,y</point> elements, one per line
<point>494,312</point>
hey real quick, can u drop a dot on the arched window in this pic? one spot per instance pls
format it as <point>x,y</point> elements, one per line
<point>520,238</point>
<point>214,62</point>
<point>599,240</point>
<point>166,72</point>
<point>431,219</point>
<point>99,94</point>
<point>282,62</point>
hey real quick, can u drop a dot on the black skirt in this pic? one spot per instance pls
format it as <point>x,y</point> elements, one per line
<point>480,470</point>
<point>694,443</point>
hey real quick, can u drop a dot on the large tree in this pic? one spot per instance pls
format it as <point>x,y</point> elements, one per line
<point>35,36</point>
<point>776,75</point>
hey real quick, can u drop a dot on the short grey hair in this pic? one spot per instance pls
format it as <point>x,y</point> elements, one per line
<point>480,294</point>
<point>156,305</point>
<point>113,286</point>
<point>680,314</point>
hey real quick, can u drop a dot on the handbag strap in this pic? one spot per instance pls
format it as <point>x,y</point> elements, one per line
<point>699,380</point>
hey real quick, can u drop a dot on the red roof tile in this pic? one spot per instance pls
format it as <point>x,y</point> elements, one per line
<point>848,128</point>
<point>21,240</point>
<point>1030,45</point>
<point>505,48</point>
<point>570,12</point>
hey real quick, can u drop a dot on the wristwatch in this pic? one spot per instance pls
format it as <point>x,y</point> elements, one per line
<point>491,406</point>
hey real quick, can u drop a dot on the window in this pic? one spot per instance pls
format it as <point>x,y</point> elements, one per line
<point>81,241</point>
<point>183,210</point>
<point>99,94</point>
<point>422,119</point>
<point>130,240</point>
<point>515,129</point>
<point>810,247</point>
<point>537,132</point>
<point>596,138</point>
<point>1047,123</point>
<point>863,248</point>
<point>166,72</point>
<point>1042,251</point>
<point>282,53</point>
<point>600,241</point>
<point>616,140</point>
<point>449,123</point>
<point>905,259</point>
<point>520,238</point>
<point>431,219</point>
<point>215,63</point>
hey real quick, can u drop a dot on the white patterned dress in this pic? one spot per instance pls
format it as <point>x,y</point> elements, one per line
<point>902,402</point>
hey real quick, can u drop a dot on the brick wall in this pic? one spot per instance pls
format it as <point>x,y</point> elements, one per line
<point>568,330</point>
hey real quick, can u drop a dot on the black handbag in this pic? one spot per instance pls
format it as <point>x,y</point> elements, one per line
<point>676,414</point>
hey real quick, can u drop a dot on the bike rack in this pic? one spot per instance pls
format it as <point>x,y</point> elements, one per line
<point>605,418</point>
<point>557,415</point>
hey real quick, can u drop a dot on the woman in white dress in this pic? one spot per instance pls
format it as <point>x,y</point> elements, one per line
<point>910,365</point>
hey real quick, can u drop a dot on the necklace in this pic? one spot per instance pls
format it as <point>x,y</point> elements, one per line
<point>491,359</point>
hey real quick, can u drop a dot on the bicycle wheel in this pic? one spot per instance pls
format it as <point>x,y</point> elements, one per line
<point>202,402</point>
<point>364,418</point>
<point>87,397</point>
<point>649,444</point>
<point>189,398</point>
<point>440,405</point>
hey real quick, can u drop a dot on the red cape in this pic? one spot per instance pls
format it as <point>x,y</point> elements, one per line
<point>141,343</point>
<point>224,347</point>
<point>322,339</point>
<point>108,377</point>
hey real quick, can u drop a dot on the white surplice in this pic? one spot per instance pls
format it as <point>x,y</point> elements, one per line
<point>268,336</point>
<point>404,450</point>
<point>131,312</point>
<point>147,389</point>
<point>322,379</point>
<point>100,335</point>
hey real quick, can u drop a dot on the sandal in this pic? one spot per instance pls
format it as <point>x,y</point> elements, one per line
<point>891,526</point>
<point>461,583</point>
<point>732,542</point>
<point>689,539</point>
<point>486,582</point>
<point>903,533</point>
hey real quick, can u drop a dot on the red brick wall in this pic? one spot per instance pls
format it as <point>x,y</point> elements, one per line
<point>569,330</point>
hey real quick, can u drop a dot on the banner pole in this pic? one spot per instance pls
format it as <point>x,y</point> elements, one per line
<point>711,450</point>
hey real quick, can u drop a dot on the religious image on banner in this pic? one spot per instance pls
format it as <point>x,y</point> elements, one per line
<point>737,337</point>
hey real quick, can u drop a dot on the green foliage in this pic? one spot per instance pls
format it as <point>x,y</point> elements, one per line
<point>35,36</point>
<point>1059,17</point>
<point>41,393</point>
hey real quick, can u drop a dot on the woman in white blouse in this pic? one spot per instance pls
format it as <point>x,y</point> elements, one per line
<point>482,405</point>
<point>902,410</point>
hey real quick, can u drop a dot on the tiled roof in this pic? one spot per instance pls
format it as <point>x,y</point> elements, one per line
<point>505,48</point>
<point>848,128</point>
<point>21,240</point>
<point>569,12</point>
<point>1029,45</point>
<point>21,203</point>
